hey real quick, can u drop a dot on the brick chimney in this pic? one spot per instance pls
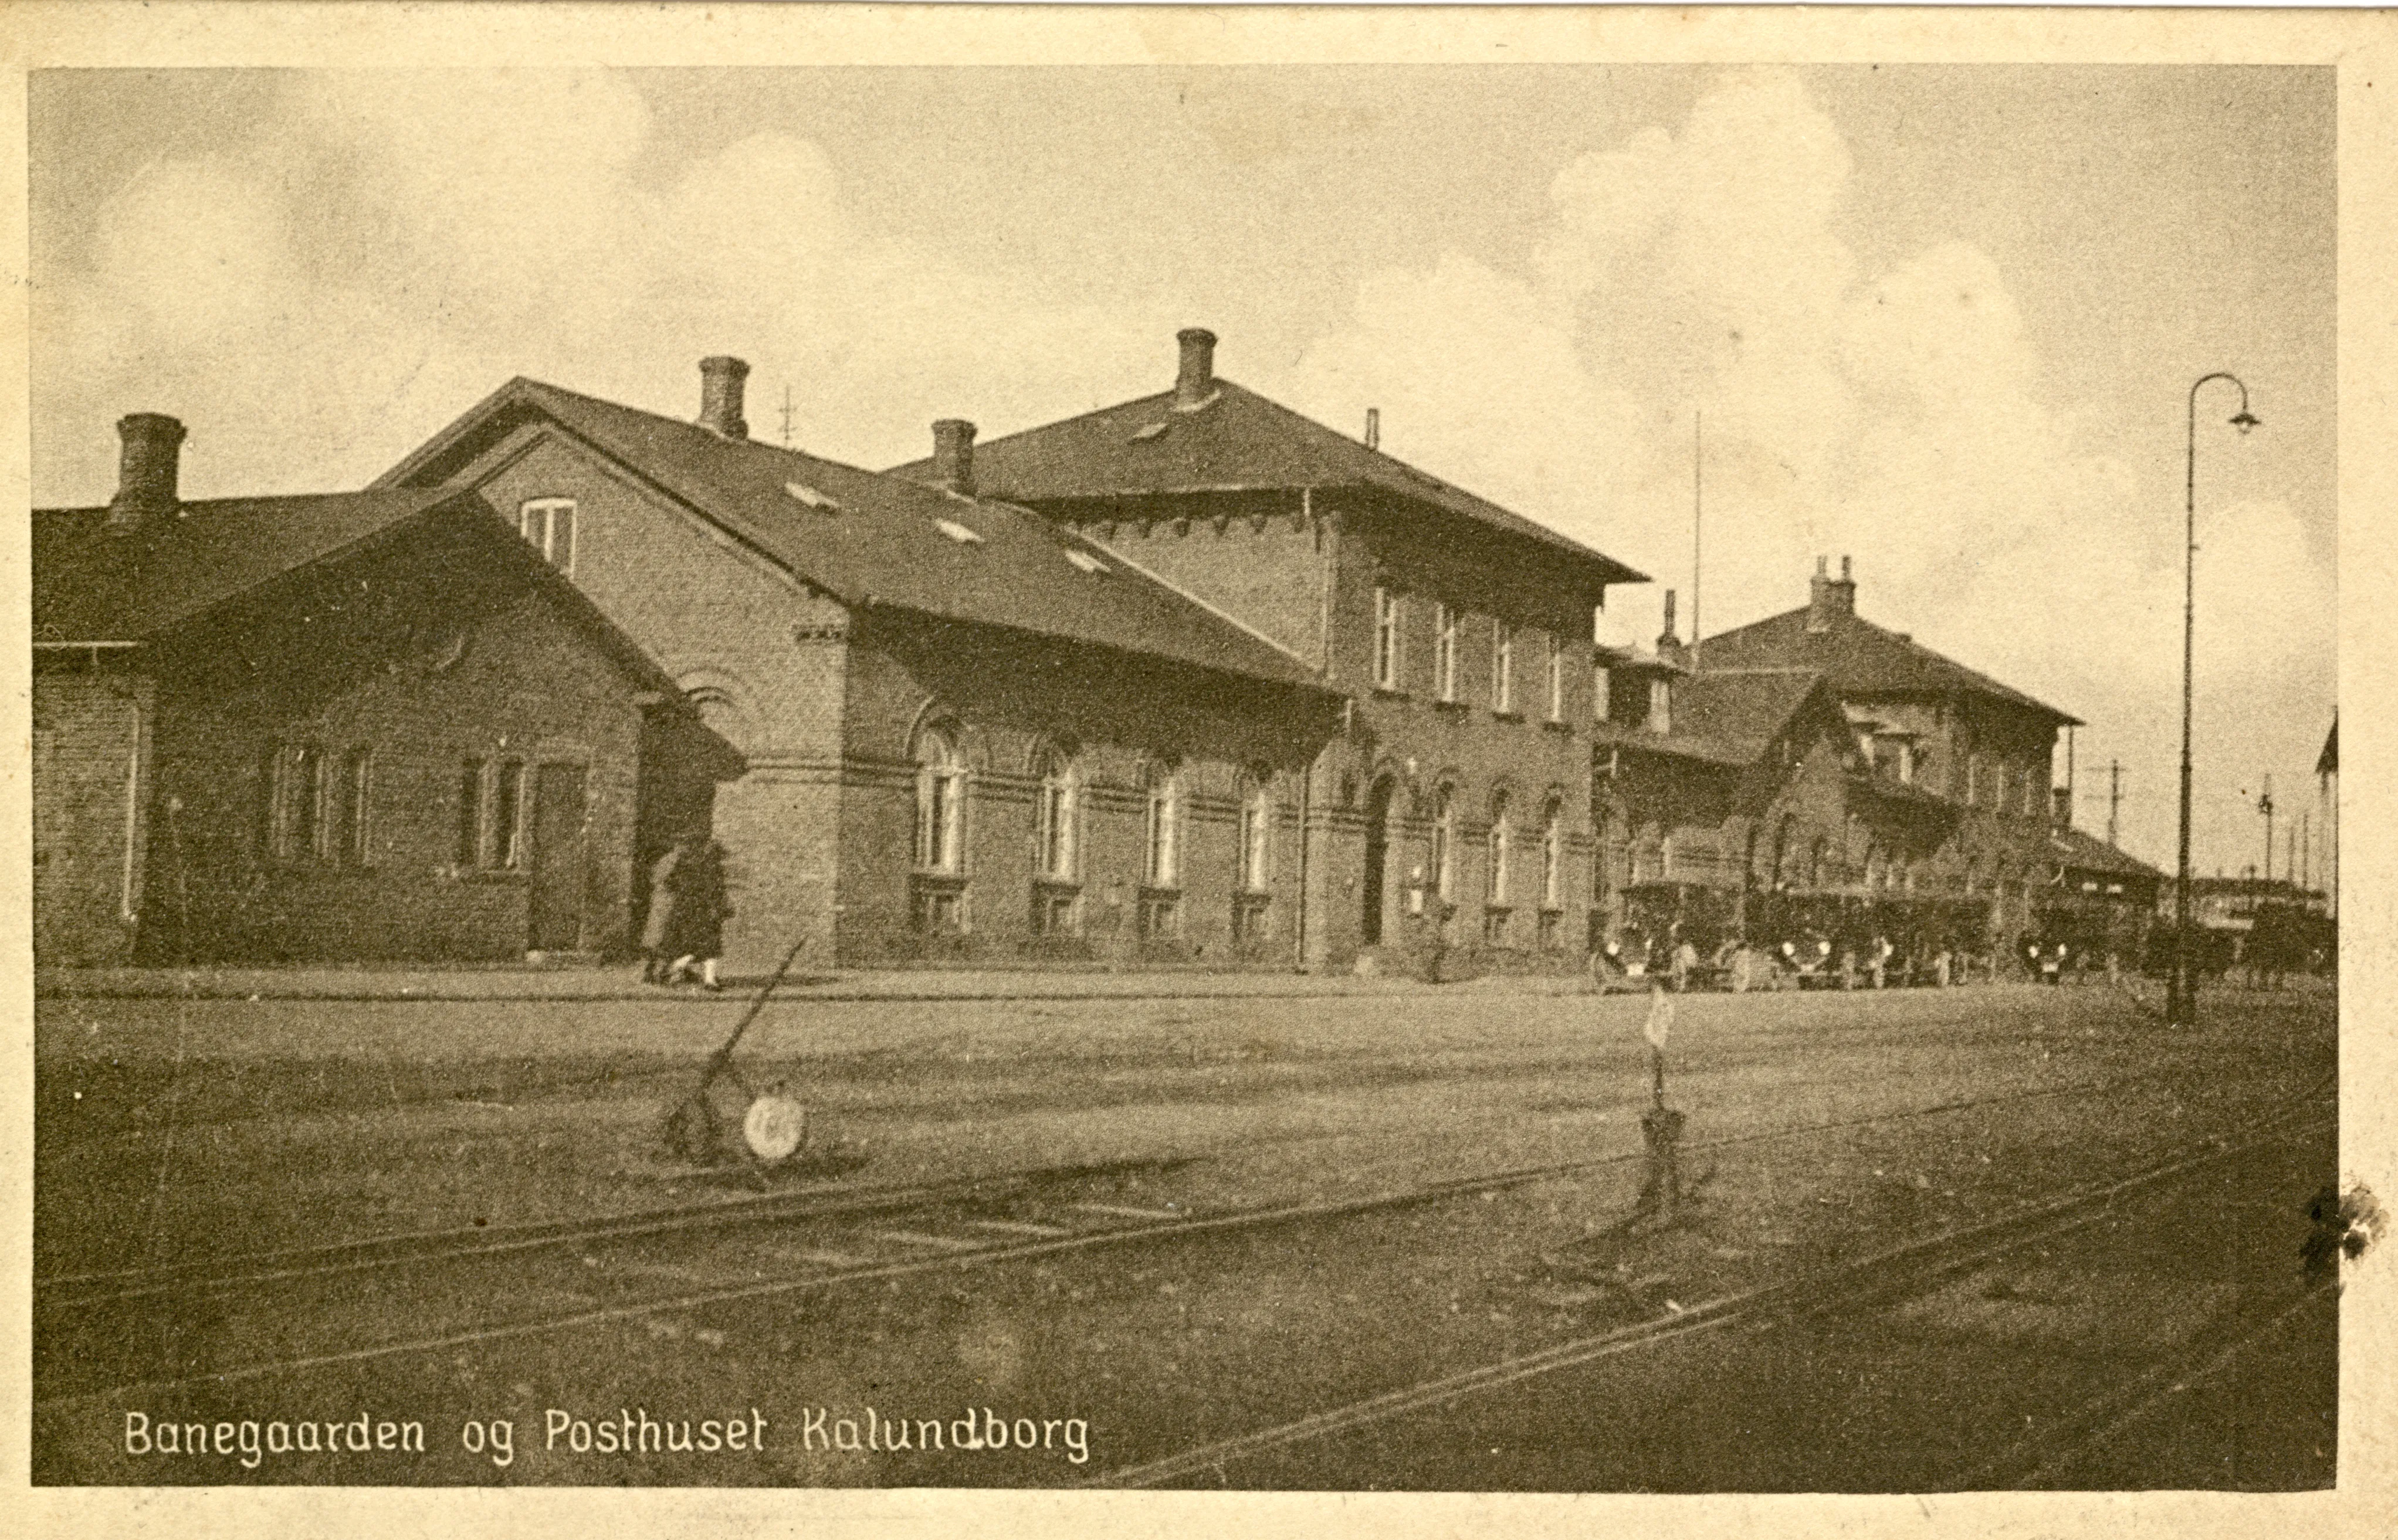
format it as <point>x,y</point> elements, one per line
<point>953,455</point>
<point>1196,381</point>
<point>1669,646</point>
<point>145,472</point>
<point>1828,600</point>
<point>721,381</point>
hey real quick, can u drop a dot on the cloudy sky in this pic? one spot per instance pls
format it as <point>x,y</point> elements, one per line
<point>1942,320</point>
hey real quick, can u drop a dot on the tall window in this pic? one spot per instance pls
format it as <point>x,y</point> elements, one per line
<point>1163,866</point>
<point>1257,833</point>
<point>1443,842</point>
<point>1055,815</point>
<point>1557,679</point>
<point>357,787</point>
<point>1600,686</point>
<point>1502,666</point>
<point>1499,839</point>
<point>303,825</point>
<point>548,523</point>
<point>470,850</point>
<point>1552,856</point>
<point>1386,639</point>
<point>507,814</point>
<point>1661,705</point>
<point>1973,780</point>
<point>940,802</point>
<point>1443,653</point>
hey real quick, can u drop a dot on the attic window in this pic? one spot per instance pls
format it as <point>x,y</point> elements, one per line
<point>1087,562</point>
<point>1155,429</point>
<point>813,498</point>
<point>957,531</point>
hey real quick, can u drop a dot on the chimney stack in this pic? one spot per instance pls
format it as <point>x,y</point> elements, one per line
<point>145,472</point>
<point>1196,382</point>
<point>953,455</point>
<point>1830,599</point>
<point>1669,646</point>
<point>720,381</point>
<point>1373,427</point>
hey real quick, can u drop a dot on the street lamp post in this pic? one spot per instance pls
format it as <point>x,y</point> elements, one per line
<point>2180,1007</point>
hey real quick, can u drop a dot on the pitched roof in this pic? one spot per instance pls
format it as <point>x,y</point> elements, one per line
<point>1238,441</point>
<point>92,585</point>
<point>2073,848</point>
<point>1727,717</point>
<point>876,540</point>
<point>1860,658</point>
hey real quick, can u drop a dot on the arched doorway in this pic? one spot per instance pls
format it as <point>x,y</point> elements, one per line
<point>1377,858</point>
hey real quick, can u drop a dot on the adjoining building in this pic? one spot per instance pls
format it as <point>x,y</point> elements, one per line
<point>362,725</point>
<point>963,732</point>
<point>2097,902</point>
<point>1953,767</point>
<point>1450,813</point>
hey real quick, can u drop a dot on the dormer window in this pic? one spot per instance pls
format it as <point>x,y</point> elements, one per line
<point>547,523</point>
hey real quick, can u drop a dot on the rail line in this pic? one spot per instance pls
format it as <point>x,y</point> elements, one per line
<point>1910,1265</point>
<point>1065,1231</point>
<point>67,1292</point>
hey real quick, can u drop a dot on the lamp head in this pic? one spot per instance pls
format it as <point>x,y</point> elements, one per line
<point>2244,422</point>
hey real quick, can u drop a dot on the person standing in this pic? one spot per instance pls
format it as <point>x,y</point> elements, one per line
<point>658,927</point>
<point>696,926</point>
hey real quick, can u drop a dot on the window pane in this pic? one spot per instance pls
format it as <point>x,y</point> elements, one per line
<point>308,803</point>
<point>508,810</point>
<point>357,783</point>
<point>470,813</point>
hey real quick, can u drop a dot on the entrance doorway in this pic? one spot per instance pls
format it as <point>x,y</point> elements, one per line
<point>557,859</point>
<point>1377,858</point>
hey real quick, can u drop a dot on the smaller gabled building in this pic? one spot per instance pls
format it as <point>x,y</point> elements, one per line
<point>356,726</point>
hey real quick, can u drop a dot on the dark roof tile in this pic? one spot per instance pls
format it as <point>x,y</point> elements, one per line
<point>1860,658</point>
<point>876,540</point>
<point>1239,441</point>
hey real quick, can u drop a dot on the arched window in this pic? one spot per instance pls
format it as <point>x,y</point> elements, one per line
<point>1057,816</point>
<point>1443,842</point>
<point>1163,867</point>
<point>940,801</point>
<point>1257,831</point>
<point>1553,855</point>
<point>1501,836</point>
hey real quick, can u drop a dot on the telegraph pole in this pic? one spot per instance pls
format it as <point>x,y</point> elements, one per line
<point>2114,795</point>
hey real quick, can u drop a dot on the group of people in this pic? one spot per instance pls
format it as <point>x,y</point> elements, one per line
<point>685,927</point>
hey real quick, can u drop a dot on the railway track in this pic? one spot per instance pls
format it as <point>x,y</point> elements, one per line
<point>63,1292</point>
<point>1878,1279</point>
<point>784,1246</point>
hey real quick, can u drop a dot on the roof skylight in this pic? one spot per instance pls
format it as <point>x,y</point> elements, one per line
<point>957,531</point>
<point>1086,561</point>
<point>813,498</point>
<point>1153,431</point>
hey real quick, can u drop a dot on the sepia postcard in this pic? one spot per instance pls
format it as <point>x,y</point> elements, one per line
<point>841,770</point>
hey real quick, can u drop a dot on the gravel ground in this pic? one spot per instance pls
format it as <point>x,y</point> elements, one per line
<point>169,1130</point>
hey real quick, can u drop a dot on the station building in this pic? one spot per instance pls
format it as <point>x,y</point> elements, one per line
<point>963,732</point>
<point>1449,815</point>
